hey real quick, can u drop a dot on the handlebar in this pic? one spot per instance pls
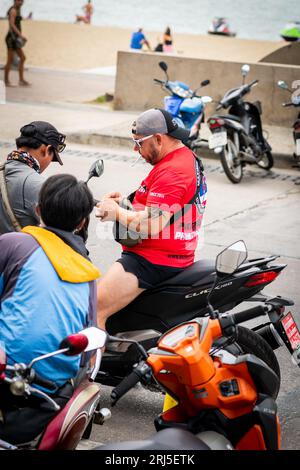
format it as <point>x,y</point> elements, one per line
<point>38,380</point>
<point>156,80</point>
<point>244,89</point>
<point>142,370</point>
<point>254,82</point>
<point>228,322</point>
<point>249,314</point>
<point>285,105</point>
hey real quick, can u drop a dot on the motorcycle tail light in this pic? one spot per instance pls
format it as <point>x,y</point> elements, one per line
<point>215,122</point>
<point>262,278</point>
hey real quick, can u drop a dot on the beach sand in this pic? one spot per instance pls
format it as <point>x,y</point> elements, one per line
<point>77,46</point>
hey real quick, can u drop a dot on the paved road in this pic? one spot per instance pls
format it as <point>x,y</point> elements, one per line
<point>263,210</point>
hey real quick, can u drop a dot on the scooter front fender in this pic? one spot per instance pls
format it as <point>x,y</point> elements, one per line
<point>66,429</point>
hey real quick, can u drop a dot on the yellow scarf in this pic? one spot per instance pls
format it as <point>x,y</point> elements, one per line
<point>69,265</point>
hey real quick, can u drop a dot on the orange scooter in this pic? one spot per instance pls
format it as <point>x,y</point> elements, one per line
<point>221,379</point>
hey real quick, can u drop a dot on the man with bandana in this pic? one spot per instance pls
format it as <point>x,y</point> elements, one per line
<point>38,145</point>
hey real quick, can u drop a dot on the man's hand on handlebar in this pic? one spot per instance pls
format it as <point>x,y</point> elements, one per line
<point>107,210</point>
<point>115,195</point>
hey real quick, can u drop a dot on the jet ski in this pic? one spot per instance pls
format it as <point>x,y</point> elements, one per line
<point>220,27</point>
<point>291,32</point>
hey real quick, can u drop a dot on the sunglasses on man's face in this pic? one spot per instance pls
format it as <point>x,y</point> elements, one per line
<point>60,146</point>
<point>138,142</point>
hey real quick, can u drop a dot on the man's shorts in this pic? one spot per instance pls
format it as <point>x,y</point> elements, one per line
<point>149,275</point>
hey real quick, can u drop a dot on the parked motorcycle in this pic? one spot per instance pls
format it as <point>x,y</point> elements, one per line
<point>222,379</point>
<point>185,105</point>
<point>238,136</point>
<point>72,421</point>
<point>295,101</point>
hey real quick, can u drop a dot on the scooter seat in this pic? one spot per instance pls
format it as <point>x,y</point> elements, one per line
<point>191,275</point>
<point>167,439</point>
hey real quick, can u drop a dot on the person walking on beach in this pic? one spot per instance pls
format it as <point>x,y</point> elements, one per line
<point>138,39</point>
<point>87,17</point>
<point>15,41</point>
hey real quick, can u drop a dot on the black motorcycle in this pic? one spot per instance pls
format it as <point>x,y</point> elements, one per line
<point>295,101</point>
<point>238,136</point>
<point>185,297</point>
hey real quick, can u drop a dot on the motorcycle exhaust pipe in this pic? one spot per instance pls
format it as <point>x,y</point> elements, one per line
<point>270,335</point>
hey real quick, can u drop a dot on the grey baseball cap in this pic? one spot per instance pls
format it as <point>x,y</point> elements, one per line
<point>159,121</point>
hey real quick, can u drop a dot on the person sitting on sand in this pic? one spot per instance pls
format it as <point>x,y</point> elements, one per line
<point>88,10</point>
<point>138,39</point>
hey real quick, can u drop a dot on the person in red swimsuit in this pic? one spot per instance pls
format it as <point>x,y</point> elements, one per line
<point>167,213</point>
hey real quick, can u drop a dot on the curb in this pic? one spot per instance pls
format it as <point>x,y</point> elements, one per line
<point>92,138</point>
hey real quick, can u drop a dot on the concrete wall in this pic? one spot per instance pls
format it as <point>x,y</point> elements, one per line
<point>289,54</point>
<point>135,89</point>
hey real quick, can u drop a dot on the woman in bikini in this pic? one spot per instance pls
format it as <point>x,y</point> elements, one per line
<point>14,42</point>
<point>168,41</point>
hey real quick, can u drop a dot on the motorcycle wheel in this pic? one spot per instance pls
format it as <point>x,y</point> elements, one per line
<point>266,162</point>
<point>231,162</point>
<point>252,342</point>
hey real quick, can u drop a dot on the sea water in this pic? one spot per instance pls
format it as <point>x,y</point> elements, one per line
<point>251,19</point>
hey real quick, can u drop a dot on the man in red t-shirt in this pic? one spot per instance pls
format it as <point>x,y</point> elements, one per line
<point>167,213</point>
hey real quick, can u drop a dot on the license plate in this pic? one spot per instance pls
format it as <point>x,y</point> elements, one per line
<point>219,139</point>
<point>298,147</point>
<point>291,330</point>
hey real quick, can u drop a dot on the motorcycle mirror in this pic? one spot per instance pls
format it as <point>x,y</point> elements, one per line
<point>163,66</point>
<point>95,336</point>
<point>205,83</point>
<point>282,84</point>
<point>245,69</point>
<point>231,258</point>
<point>206,99</point>
<point>96,170</point>
<point>85,340</point>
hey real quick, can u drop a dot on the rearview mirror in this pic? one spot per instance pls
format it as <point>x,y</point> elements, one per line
<point>245,69</point>
<point>85,340</point>
<point>231,258</point>
<point>163,66</point>
<point>205,83</point>
<point>96,170</point>
<point>282,84</point>
<point>95,336</point>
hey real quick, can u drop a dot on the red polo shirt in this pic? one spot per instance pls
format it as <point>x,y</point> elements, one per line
<point>170,185</point>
